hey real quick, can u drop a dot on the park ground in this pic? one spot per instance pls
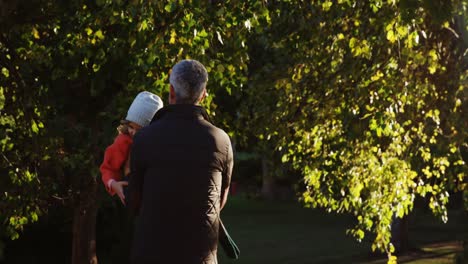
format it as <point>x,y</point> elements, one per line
<point>270,232</point>
<point>286,233</point>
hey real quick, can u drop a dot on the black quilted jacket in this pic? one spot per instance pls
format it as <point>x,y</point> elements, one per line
<point>180,165</point>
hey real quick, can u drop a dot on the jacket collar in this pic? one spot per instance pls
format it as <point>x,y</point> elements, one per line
<point>182,110</point>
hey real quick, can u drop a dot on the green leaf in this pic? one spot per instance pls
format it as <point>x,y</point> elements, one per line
<point>352,43</point>
<point>202,33</point>
<point>34,127</point>
<point>143,25</point>
<point>34,216</point>
<point>326,5</point>
<point>36,33</point>
<point>391,36</point>
<point>5,72</point>
<point>96,67</point>
<point>2,98</point>
<point>169,7</point>
<point>433,55</point>
<point>99,35</point>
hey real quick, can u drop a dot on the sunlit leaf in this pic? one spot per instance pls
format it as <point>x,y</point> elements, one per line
<point>36,33</point>
<point>5,72</point>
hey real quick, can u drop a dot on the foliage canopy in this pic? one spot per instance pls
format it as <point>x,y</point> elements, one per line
<point>366,98</point>
<point>368,101</point>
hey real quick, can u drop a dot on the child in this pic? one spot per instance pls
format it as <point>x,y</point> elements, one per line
<point>116,156</point>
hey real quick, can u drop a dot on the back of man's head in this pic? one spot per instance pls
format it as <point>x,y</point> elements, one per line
<point>189,78</point>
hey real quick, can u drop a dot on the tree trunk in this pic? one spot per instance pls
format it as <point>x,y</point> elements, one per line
<point>400,234</point>
<point>84,227</point>
<point>268,184</point>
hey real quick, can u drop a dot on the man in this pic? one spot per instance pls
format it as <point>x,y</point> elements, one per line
<point>181,170</point>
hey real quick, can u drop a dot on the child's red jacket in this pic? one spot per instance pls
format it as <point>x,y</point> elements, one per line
<point>115,157</point>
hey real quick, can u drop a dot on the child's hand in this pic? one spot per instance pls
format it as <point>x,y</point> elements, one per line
<point>117,186</point>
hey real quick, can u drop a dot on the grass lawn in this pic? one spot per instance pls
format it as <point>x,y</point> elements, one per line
<point>266,233</point>
<point>285,233</point>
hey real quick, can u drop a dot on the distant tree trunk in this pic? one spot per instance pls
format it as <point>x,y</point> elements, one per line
<point>84,227</point>
<point>268,184</point>
<point>400,236</point>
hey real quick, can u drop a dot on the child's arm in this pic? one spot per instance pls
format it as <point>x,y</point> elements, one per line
<point>115,157</point>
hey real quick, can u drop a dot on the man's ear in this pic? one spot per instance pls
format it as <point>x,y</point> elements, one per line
<point>204,94</point>
<point>172,95</point>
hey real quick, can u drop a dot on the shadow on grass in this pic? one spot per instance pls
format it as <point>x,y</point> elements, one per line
<point>444,252</point>
<point>433,251</point>
<point>286,233</point>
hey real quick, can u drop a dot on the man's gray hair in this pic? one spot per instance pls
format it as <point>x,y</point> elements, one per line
<point>189,78</point>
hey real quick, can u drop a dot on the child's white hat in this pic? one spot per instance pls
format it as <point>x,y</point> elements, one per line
<point>143,108</point>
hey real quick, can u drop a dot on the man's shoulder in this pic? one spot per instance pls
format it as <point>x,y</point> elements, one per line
<point>142,133</point>
<point>217,132</point>
<point>149,131</point>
